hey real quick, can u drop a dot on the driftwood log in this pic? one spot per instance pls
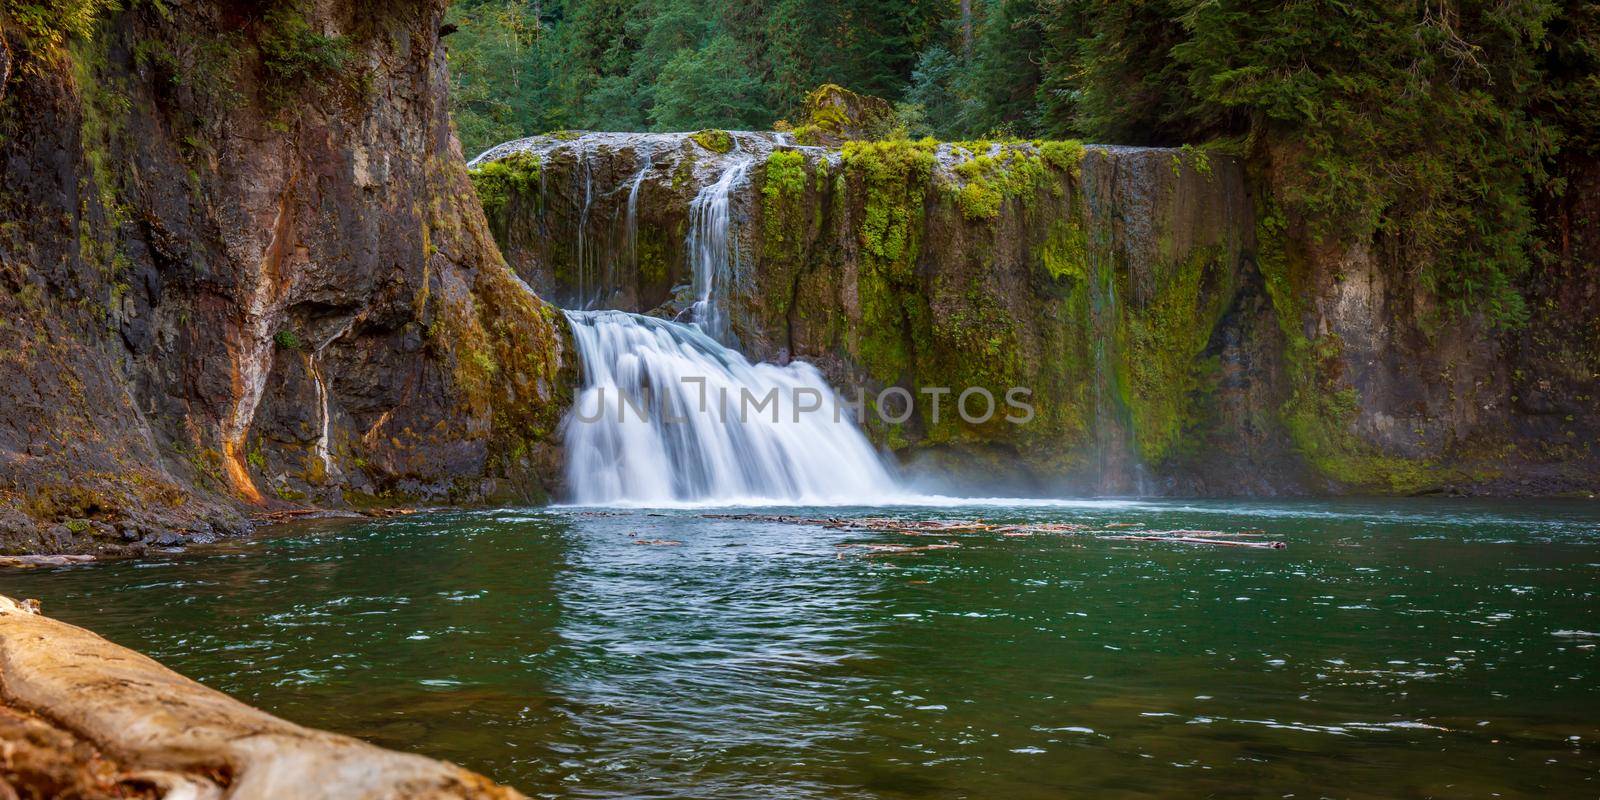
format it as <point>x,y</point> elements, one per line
<point>82,717</point>
<point>1110,531</point>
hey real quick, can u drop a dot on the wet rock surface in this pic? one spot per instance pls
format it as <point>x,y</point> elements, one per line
<point>243,269</point>
<point>1170,347</point>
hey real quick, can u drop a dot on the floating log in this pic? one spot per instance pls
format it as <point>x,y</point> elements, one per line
<point>937,527</point>
<point>27,562</point>
<point>1201,540</point>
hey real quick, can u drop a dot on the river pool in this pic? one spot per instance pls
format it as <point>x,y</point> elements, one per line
<point>1395,648</point>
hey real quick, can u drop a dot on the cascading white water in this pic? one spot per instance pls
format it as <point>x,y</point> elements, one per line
<point>640,433</point>
<point>588,285</point>
<point>713,248</point>
<point>667,415</point>
<point>630,220</point>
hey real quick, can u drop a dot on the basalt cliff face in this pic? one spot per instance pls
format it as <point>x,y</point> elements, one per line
<point>243,269</point>
<point>1179,336</point>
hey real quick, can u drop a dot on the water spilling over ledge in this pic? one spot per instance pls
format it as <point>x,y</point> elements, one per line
<point>659,421</point>
<point>1100,279</point>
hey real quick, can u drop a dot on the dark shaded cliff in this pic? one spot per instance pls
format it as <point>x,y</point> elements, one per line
<point>243,269</point>
<point>1180,335</point>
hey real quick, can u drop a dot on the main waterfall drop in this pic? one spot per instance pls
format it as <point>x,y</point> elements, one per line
<point>667,413</point>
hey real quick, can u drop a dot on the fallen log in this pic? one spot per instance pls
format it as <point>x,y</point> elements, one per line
<point>159,730</point>
<point>26,562</point>
<point>935,527</point>
<point>1200,540</point>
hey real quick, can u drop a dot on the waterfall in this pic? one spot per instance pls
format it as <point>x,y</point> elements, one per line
<point>713,247</point>
<point>588,291</point>
<point>630,223</point>
<point>663,418</point>
<point>667,413</point>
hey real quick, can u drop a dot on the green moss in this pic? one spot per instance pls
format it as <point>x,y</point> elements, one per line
<point>1020,171</point>
<point>1065,155</point>
<point>287,339</point>
<point>783,221</point>
<point>786,175</point>
<point>1065,252</point>
<point>683,174</point>
<point>979,200</point>
<point>892,177</point>
<point>717,141</point>
<point>1161,365</point>
<point>514,175</point>
<point>256,458</point>
<point>1321,411</point>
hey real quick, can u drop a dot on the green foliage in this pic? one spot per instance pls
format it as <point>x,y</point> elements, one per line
<point>708,85</point>
<point>717,141</point>
<point>786,174</point>
<point>44,28</point>
<point>296,59</point>
<point>518,68</point>
<point>287,340</point>
<point>1411,130</point>
<point>505,72</point>
<point>514,175</point>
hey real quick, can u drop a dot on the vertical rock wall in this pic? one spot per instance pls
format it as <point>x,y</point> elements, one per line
<point>1116,284</point>
<point>244,269</point>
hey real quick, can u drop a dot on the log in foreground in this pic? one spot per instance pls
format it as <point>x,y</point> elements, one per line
<point>133,728</point>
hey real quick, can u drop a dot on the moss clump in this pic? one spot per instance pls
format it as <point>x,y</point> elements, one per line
<point>786,175</point>
<point>1063,154</point>
<point>514,175</point>
<point>287,340</point>
<point>1065,253</point>
<point>714,140</point>
<point>1000,172</point>
<point>834,113</point>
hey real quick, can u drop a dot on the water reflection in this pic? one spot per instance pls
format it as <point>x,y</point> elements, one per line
<point>1398,648</point>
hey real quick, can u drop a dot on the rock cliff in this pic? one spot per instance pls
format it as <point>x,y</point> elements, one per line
<point>243,269</point>
<point>1179,335</point>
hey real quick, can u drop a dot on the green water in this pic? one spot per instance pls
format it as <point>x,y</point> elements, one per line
<point>1395,649</point>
